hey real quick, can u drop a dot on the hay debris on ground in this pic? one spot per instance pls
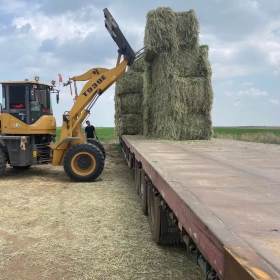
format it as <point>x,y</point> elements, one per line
<point>53,228</point>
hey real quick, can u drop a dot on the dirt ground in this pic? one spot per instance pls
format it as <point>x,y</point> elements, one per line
<point>53,228</point>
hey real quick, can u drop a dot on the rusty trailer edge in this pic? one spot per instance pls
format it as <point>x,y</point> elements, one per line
<point>231,260</point>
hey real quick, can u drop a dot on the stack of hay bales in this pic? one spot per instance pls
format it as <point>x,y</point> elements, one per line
<point>177,90</point>
<point>128,101</point>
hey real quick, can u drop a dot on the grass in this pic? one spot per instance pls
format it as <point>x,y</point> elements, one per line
<point>269,135</point>
<point>103,133</point>
<point>251,134</point>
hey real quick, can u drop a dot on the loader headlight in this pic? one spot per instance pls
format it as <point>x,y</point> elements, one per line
<point>36,78</point>
<point>53,82</point>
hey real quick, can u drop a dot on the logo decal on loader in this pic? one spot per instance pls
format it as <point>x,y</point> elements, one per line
<point>95,85</point>
<point>16,125</point>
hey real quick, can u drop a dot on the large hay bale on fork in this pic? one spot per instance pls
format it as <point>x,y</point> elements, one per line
<point>128,101</point>
<point>177,92</point>
<point>128,124</point>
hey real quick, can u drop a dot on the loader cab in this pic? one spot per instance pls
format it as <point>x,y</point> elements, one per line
<point>26,101</point>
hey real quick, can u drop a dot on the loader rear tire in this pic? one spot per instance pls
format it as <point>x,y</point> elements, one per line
<point>3,162</point>
<point>98,145</point>
<point>84,162</point>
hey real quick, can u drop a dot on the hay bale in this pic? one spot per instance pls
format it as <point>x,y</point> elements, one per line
<point>138,66</point>
<point>184,63</point>
<point>198,94</point>
<point>171,105</point>
<point>160,32</point>
<point>128,124</point>
<point>130,82</point>
<point>148,108</point>
<point>128,101</point>
<point>167,31</point>
<point>204,65</point>
<point>177,95</point>
<point>188,28</point>
<point>198,127</point>
<point>128,104</point>
<point>148,74</point>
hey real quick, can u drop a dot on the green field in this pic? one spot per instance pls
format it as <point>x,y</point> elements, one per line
<point>251,134</point>
<point>103,133</point>
<point>241,130</point>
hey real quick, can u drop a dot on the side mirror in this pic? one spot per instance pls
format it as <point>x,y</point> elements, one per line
<point>57,97</point>
<point>32,96</point>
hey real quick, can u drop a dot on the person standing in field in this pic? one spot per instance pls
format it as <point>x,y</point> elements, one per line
<point>90,130</point>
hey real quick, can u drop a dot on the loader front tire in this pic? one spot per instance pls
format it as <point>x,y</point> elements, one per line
<point>84,162</point>
<point>3,161</point>
<point>98,145</point>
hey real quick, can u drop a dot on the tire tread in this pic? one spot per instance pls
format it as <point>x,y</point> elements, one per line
<point>77,148</point>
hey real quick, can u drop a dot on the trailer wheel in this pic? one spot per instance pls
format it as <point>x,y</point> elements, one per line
<point>98,145</point>
<point>3,161</point>
<point>137,177</point>
<point>143,193</point>
<point>154,214</point>
<point>21,167</point>
<point>84,162</point>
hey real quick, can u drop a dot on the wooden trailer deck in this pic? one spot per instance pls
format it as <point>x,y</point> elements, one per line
<point>226,196</point>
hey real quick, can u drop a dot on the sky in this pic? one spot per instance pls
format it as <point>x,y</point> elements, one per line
<point>47,37</point>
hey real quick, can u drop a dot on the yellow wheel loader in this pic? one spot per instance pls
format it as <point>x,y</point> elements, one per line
<point>28,127</point>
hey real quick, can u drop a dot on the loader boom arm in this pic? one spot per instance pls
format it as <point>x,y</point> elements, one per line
<point>98,81</point>
<point>94,87</point>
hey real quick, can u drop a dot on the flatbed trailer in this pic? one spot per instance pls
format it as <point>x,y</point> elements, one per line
<point>220,197</point>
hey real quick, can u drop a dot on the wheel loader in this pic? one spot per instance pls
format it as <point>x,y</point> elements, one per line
<point>28,127</point>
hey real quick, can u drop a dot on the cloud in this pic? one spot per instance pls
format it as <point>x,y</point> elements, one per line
<point>274,101</point>
<point>229,93</point>
<point>237,102</point>
<point>252,92</point>
<point>247,84</point>
<point>277,72</point>
<point>47,37</point>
